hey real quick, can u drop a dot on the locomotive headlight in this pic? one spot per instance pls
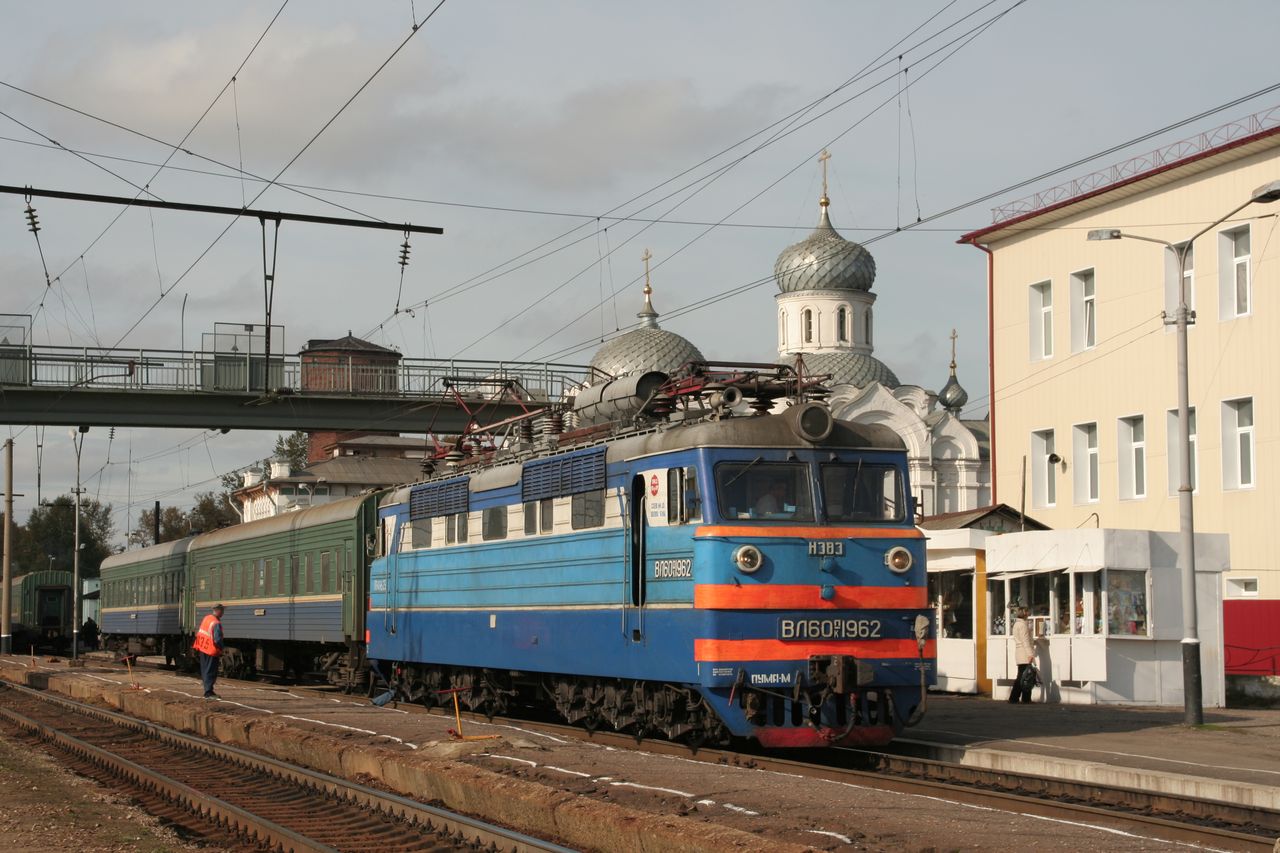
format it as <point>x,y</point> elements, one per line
<point>898,559</point>
<point>748,558</point>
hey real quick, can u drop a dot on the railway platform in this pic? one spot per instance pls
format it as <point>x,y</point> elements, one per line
<point>1234,757</point>
<point>598,796</point>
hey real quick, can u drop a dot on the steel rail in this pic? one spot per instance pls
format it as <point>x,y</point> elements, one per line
<point>482,834</point>
<point>261,829</point>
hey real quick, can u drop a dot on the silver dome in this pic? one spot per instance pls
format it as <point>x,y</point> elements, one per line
<point>824,261</point>
<point>849,368</point>
<point>952,397</point>
<point>645,349</point>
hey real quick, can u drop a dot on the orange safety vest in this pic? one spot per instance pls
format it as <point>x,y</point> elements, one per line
<point>204,637</point>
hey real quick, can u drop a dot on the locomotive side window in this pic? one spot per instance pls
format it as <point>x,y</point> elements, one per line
<point>538,516</point>
<point>493,523</point>
<point>683,503</point>
<point>587,510</point>
<point>778,491</point>
<point>415,535</point>
<point>857,491</point>
<point>456,529</point>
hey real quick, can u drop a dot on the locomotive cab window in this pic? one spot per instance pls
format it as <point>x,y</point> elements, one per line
<point>856,491</point>
<point>776,491</point>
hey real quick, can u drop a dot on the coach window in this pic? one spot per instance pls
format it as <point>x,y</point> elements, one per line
<point>587,510</point>
<point>295,566</point>
<point>493,523</point>
<point>261,586</point>
<point>683,503</point>
<point>326,571</point>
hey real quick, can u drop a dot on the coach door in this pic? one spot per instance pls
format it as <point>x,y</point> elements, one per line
<point>637,528</point>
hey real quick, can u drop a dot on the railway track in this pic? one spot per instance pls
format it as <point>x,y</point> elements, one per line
<point>1211,824</point>
<point>1220,825</point>
<point>237,799</point>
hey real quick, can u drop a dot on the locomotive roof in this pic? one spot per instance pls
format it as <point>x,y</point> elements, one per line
<point>310,517</point>
<point>150,552</point>
<point>762,431</point>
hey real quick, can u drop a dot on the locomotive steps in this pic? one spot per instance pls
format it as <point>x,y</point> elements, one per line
<point>428,774</point>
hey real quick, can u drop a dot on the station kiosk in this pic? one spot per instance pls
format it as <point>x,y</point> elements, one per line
<point>1106,613</point>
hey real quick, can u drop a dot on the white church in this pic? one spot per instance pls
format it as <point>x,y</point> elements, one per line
<point>826,326</point>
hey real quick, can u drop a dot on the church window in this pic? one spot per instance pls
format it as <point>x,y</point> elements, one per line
<point>806,322</point>
<point>842,324</point>
<point>867,319</point>
<point>782,328</point>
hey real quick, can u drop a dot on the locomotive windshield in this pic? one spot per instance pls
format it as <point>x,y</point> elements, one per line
<point>862,492</point>
<point>765,490</point>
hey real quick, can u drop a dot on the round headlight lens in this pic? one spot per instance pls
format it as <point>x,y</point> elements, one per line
<point>898,559</point>
<point>748,558</point>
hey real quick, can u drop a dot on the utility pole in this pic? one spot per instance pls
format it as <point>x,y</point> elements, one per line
<point>78,439</point>
<point>6,598</point>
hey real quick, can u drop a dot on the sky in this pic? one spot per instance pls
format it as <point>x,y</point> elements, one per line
<point>554,143</point>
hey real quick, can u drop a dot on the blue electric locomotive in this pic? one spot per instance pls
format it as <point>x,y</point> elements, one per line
<point>751,576</point>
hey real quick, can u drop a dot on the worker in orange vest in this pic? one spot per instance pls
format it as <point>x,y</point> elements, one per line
<point>208,646</point>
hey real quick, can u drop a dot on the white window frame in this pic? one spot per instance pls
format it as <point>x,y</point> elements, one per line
<point>1171,286</point>
<point>1234,272</point>
<point>1237,471</point>
<point>807,326</point>
<point>1040,320</point>
<point>842,324</point>
<point>1044,489</point>
<point>1085,480</point>
<point>1084,314</point>
<point>1174,452</point>
<point>1132,457</point>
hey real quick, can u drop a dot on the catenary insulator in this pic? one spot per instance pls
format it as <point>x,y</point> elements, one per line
<point>404,252</point>
<point>33,223</point>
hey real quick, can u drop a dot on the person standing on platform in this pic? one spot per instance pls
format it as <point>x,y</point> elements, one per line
<point>208,646</point>
<point>1024,651</point>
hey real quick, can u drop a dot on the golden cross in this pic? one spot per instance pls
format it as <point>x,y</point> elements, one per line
<point>823,158</point>
<point>645,257</point>
<point>953,347</point>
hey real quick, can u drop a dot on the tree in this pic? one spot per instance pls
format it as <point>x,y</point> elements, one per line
<point>50,532</point>
<point>212,511</point>
<point>295,447</point>
<point>174,524</point>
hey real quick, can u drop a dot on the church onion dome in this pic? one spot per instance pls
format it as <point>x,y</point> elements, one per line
<point>952,397</point>
<point>824,261</point>
<point>849,368</point>
<point>646,348</point>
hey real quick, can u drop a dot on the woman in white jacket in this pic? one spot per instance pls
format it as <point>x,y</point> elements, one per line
<point>1024,652</point>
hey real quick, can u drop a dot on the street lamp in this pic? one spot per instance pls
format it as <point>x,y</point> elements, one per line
<point>1193,704</point>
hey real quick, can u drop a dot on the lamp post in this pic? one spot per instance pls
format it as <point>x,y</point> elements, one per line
<point>1193,704</point>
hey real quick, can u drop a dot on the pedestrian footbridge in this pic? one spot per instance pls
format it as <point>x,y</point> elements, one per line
<point>84,386</point>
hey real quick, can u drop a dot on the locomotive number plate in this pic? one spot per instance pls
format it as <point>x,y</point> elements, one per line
<point>826,548</point>
<point>828,629</point>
